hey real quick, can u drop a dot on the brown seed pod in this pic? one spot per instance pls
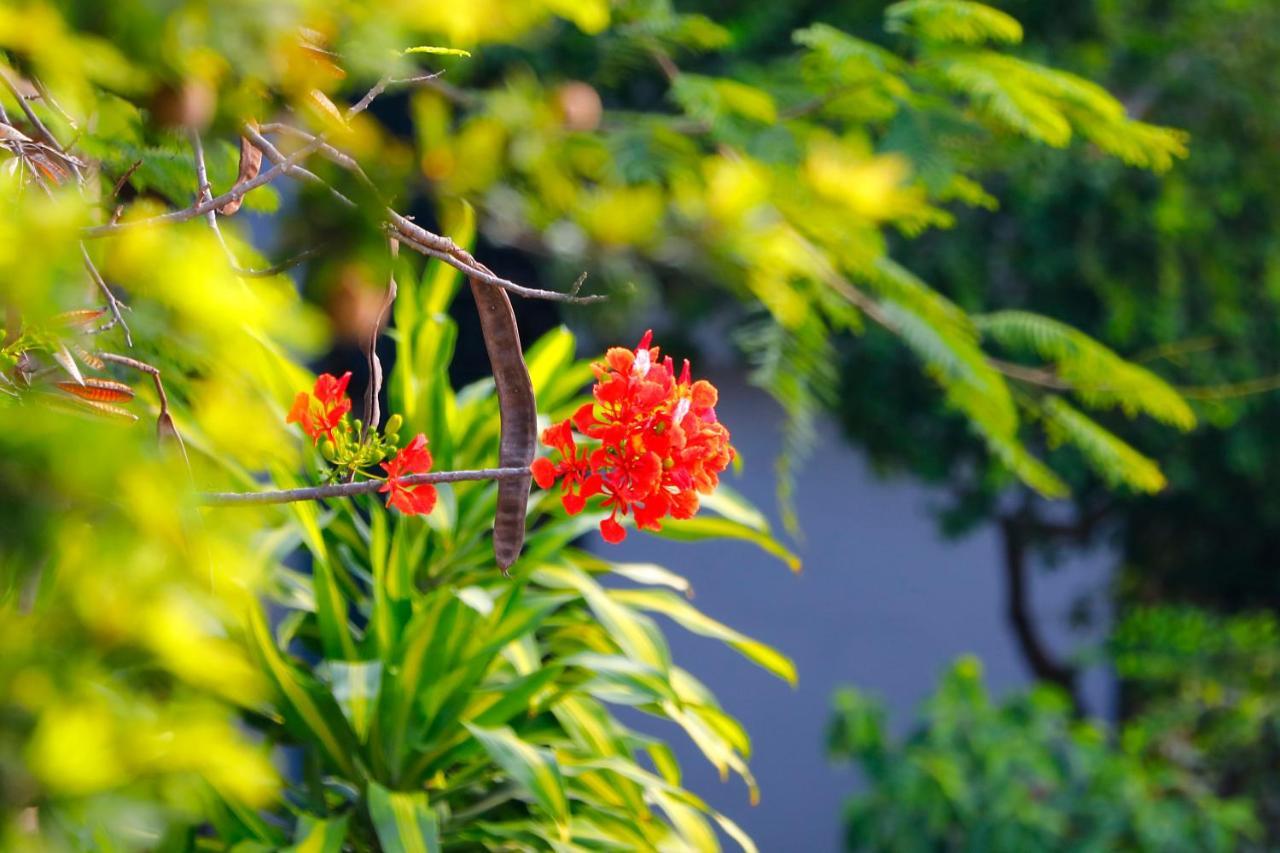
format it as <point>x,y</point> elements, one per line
<point>519,414</point>
<point>91,407</point>
<point>93,362</point>
<point>81,318</point>
<point>250,165</point>
<point>101,390</point>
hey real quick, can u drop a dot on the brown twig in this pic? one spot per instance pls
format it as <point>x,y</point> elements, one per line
<point>364,487</point>
<point>372,416</point>
<point>1044,666</point>
<point>192,212</point>
<point>297,172</point>
<point>128,173</point>
<point>444,249</point>
<point>276,269</point>
<point>165,428</point>
<point>363,104</point>
<point>113,304</point>
<point>204,192</point>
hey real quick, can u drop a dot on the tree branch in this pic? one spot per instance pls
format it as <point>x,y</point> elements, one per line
<point>1035,653</point>
<point>364,487</point>
<point>117,318</point>
<point>192,212</point>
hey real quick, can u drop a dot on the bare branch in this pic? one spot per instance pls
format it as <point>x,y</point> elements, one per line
<point>363,104</point>
<point>1044,377</point>
<point>364,487</point>
<point>444,249</point>
<point>192,212</point>
<point>276,269</point>
<point>297,172</point>
<point>372,416</point>
<point>204,193</point>
<point>128,173</point>
<point>114,304</point>
<point>166,431</point>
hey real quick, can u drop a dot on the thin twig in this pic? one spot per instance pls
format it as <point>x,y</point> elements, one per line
<point>336,155</point>
<point>372,414</point>
<point>275,156</point>
<point>363,104</point>
<point>192,212</point>
<point>379,87</point>
<point>117,318</point>
<point>276,269</point>
<point>444,249</point>
<point>204,192</point>
<point>1042,376</point>
<point>364,487</point>
<point>128,173</point>
<point>166,430</point>
<point>1231,390</point>
<point>211,216</point>
<point>428,243</point>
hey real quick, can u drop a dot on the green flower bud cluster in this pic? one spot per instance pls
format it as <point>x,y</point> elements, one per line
<point>347,453</point>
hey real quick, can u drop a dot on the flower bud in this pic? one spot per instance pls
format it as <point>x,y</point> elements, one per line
<point>393,425</point>
<point>327,450</point>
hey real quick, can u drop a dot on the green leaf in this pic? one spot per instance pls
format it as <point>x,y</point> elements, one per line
<point>637,635</point>
<point>651,574</point>
<point>692,619</point>
<point>319,835</point>
<point>534,769</point>
<point>437,51</point>
<point>404,821</point>
<point>355,687</point>
<point>306,705</point>
<point>953,21</point>
<point>1096,374</point>
<point>706,527</point>
<point>331,605</point>
<point>1117,462</point>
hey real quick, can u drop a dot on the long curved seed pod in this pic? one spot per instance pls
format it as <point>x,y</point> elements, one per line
<point>519,416</point>
<point>101,390</point>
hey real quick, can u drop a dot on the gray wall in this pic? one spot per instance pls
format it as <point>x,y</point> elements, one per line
<point>883,603</point>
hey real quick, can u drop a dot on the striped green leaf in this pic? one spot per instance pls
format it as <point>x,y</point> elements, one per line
<point>404,821</point>
<point>534,769</point>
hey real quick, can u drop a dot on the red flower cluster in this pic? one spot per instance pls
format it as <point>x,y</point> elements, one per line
<point>660,443</point>
<point>413,458</point>
<point>319,412</point>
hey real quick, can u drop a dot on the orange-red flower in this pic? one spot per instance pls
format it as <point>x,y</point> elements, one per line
<point>574,471</point>
<point>319,412</point>
<point>413,458</point>
<point>660,443</point>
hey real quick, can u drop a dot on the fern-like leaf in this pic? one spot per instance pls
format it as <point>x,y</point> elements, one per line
<point>1116,461</point>
<point>1098,376</point>
<point>954,21</point>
